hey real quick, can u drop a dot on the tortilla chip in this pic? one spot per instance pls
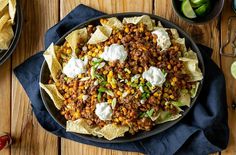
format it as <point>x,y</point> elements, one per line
<point>3,4</point>
<point>190,62</point>
<point>76,36</point>
<point>159,24</point>
<point>101,34</point>
<point>54,94</point>
<point>6,35</point>
<point>193,91</point>
<point>109,131</point>
<point>112,22</point>
<point>78,126</point>
<point>12,9</point>
<point>174,33</point>
<point>145,19</point>
<point>53,64</point>
<point>181,42</point>
<point>165,116</point>
<point>185,99</point>
<point>112,131</point>
<point>4,18</point>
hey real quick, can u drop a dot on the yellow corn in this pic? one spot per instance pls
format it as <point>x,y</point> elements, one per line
<point>94,54</point>
<point>172,96</point>
<point>109,100</point>
<point>126,29</point>
<point>105,72</point>
<point>169,66</point>
<point>99,47</point>
<point>156,94</point>
<point>132,91</point>
<point>113,85</point>
<point>174,79</point>
<point>119,93</point>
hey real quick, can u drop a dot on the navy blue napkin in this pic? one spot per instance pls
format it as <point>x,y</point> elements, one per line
<point>204,130</point>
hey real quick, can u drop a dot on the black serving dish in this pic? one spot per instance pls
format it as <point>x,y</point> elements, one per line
<point>17,28</point>
<point>44,77</point>
<point>216,8</point>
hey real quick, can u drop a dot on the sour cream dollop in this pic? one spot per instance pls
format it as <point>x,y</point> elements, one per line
<point>155,76</point>
<point>103,111</point>
<point>114,52</point>
<point>163,39</point>
<point>74,67</point>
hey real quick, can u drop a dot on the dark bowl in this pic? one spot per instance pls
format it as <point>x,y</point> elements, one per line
<point>216,8</point>
<point>17,28</point>
<point>44,77</point>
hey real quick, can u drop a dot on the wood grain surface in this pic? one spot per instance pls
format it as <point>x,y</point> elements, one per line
<point>39,15</point>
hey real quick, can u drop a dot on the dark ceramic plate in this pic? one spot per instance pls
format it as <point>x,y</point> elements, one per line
<point>5,54</point>
<point>215,10</point>
<point>44,77</point>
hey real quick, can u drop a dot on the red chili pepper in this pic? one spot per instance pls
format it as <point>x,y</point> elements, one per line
<point>5,140</point>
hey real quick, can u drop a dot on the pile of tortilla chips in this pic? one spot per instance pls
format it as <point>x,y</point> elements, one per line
<point>7,15</point>
<point>102,33</point>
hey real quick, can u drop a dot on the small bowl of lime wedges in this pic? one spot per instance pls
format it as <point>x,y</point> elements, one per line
<point>198,11</point>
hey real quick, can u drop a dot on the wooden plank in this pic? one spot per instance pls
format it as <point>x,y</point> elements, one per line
<point>108,6</point>
<point>230,81</point>
<point>207,34</point>
<point>30,137</point>
<point>5,102</point>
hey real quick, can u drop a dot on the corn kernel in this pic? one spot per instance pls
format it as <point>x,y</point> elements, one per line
<point>141,80</point>
<point>67,45</point>
<point>68,51</point>
<point>174,79</point>
<point>128,83</point>
<point>96,50</point>
<point>99,47</point>
<point>119,93</point>
<point>113,86</point>
<point>126,29</point>
<point>165,95</point>
<point>89,53</point>
<point>105,72</point>
<point>172,83</point>
<point>94,54</point>
<point>169,66</point>
<point>172,96</point>
<point>132,91</point>
<point>109,100</point>
<point>156,94</point>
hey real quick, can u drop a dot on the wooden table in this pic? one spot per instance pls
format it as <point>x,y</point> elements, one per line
<point>39,15</point>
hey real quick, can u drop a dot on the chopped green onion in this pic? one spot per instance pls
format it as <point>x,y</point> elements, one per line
<point>113,103</point>
<point>92,72</point>
<point>149,84</point>
<point>150,112</point>
<point>97,61</point>
<point>99,96</point>
<point>100,77</point>
<point>109,92</point>
<point>85,79</point>
<point>119,76</point>
<point>103,83</point>
<point>102,90</point>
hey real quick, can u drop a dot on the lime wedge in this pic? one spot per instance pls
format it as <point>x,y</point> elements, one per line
<point>187,9</point>
<point>197,3</point>
<point>233,69</point>
<point>202,10</point>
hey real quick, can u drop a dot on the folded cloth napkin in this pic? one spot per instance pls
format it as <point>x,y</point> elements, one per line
<point>204,130</point>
